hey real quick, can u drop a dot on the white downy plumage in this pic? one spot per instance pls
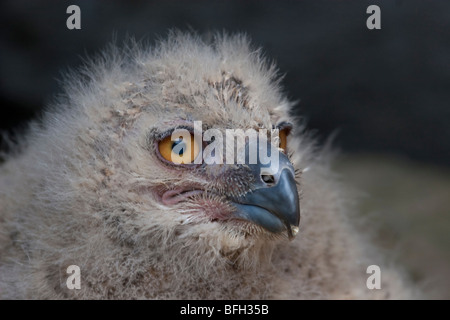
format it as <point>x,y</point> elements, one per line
<point>83,188</point>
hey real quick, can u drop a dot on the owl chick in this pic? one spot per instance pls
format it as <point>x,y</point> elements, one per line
<point>120,178</point>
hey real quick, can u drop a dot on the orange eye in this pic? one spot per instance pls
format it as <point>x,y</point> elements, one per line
<point>179,148</point>
<point>283,139</point>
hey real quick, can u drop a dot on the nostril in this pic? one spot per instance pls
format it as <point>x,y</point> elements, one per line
<point>268,178</point>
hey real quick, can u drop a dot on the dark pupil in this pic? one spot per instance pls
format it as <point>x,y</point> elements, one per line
<point>177,142</point>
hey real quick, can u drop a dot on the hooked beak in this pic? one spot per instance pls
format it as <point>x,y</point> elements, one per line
<point>273,205</point>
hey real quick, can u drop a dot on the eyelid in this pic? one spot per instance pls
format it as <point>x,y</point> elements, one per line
<point>165,134</point>
<point>284,126</point>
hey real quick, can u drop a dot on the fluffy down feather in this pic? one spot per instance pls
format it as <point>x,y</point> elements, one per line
<point>82,189</point>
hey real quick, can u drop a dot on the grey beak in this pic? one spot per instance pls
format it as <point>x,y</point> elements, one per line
<point>273,203</point>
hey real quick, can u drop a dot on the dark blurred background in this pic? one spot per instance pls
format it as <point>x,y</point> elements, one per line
<point>386,92</point>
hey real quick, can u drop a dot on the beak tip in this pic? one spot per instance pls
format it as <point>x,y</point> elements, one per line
<point>293,232</point>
